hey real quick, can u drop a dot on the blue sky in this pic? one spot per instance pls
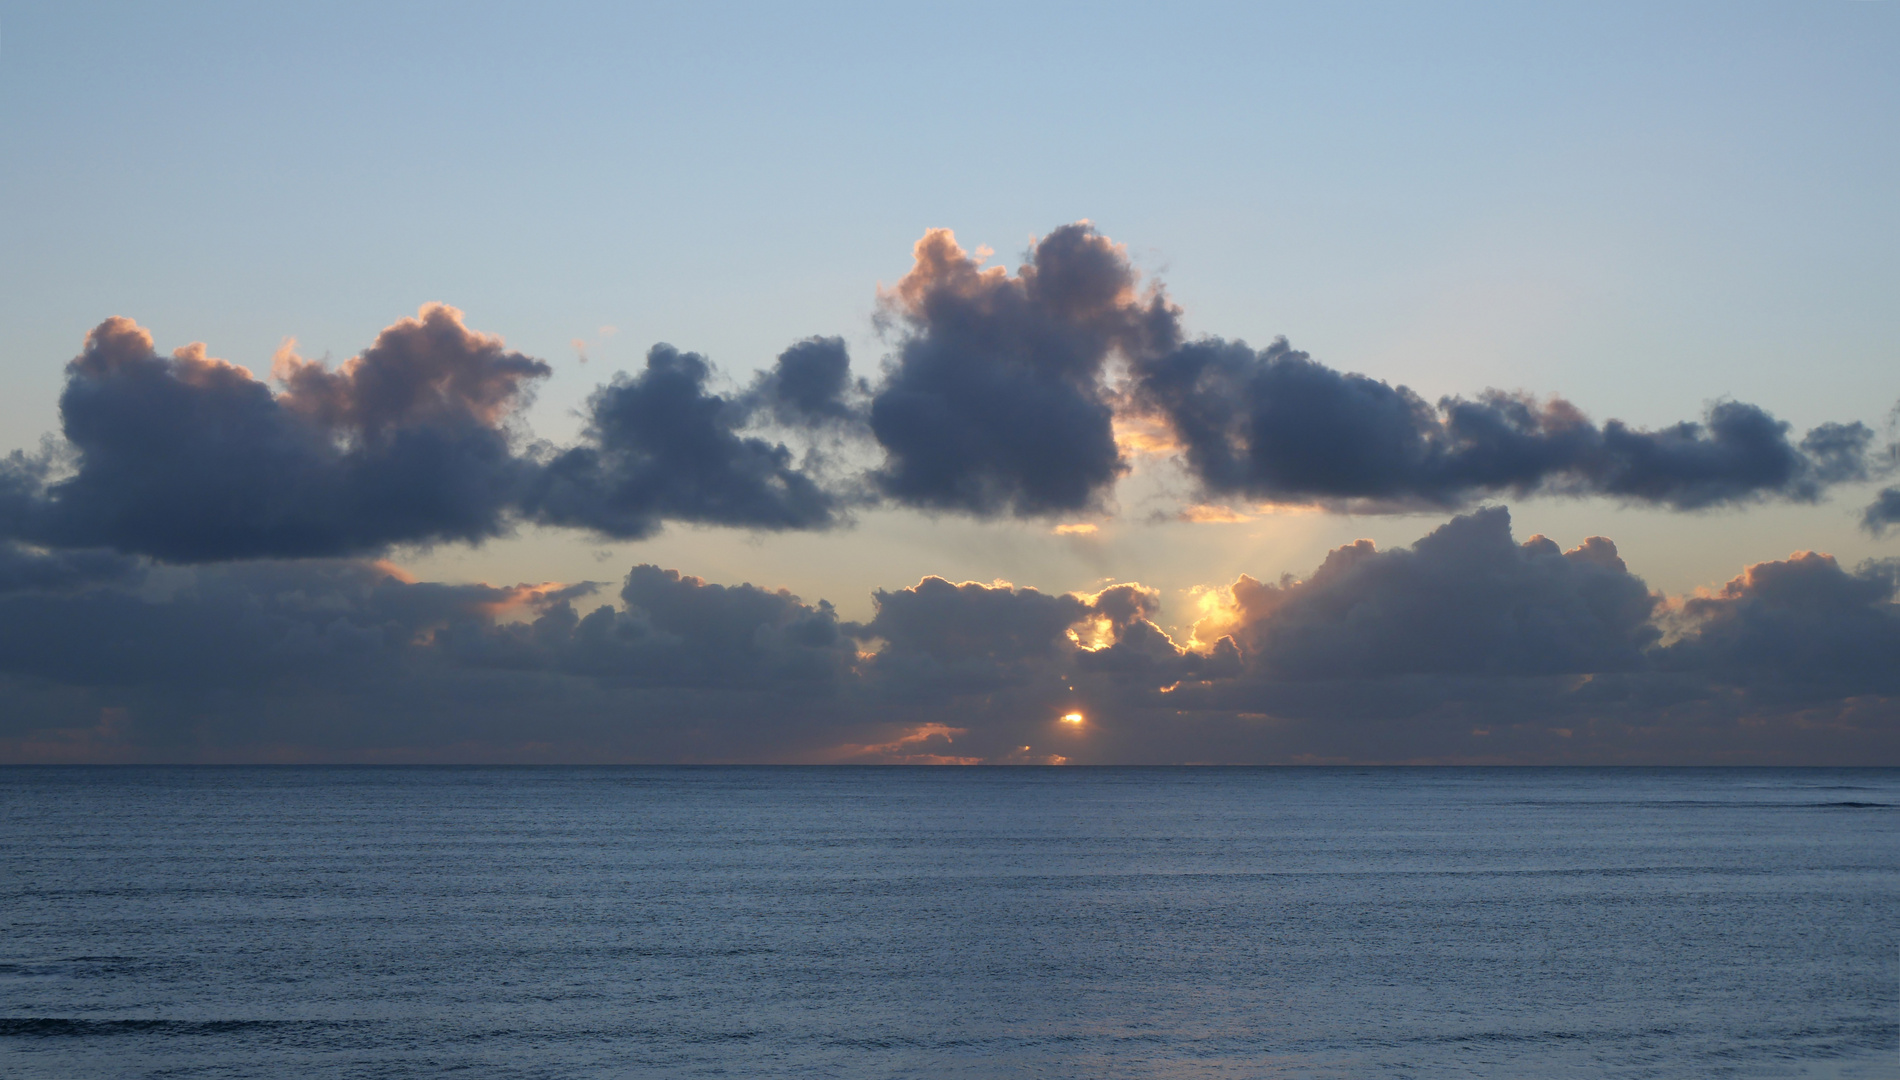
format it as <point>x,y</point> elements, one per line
<point>1643,208</point>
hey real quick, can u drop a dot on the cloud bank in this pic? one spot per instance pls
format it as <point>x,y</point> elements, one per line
<point>1467,646</point>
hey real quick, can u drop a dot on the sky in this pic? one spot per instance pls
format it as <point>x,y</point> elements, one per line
<point>1255,383</point>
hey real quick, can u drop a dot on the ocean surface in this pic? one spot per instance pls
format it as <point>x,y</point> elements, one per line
<point>883,922</point>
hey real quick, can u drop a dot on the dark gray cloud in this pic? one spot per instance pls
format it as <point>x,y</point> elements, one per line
<point>190,459</point>
<point>674,630</point>
<point>810,385</point>
<point>351,657</point>
<point>25,570</point>
<point>938,637</point>
<point>1471,647</point>
<point>660,447</point>
<point>1466,600</point>
<point>416,441</point>
<point>1883,512</point>
<point>1803,622</point>
<point>995,402</point>
<point>943,637</point>
<point>1274,426</point>
<point>1466,646</point>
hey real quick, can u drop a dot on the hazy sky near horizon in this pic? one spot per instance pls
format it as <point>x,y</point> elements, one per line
<point>1643,209</point>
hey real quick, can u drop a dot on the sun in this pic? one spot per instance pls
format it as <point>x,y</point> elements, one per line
<point>1072,718</point>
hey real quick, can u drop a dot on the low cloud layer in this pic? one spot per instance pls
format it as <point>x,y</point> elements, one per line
<point>1467,646</point>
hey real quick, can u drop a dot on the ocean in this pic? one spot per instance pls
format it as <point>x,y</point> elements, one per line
<point>948,922</point>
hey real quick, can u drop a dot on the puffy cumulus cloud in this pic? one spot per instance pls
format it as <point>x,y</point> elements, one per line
<point>190,458</point>
<point>1883,512</point>
<point>660,447</point>
<point>1803,623</point>
<point>811,385</point>
<point>1466,599</point>
<point>1471,647</point>
<point>995,402</point>
<point>1275,426</point>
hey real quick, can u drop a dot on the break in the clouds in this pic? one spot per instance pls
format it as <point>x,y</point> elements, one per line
<point>1469,645</point>
<point>1273,425</point>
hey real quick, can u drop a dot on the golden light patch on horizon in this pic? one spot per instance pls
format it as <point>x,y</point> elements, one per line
<point>907,748</point>
<point>1077,528</point>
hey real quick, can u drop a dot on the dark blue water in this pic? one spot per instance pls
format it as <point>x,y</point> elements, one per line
<point>950,922</point>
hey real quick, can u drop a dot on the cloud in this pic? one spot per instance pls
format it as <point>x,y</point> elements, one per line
<point>1802,622</point>
<point>810,385</point>
<point>1470,647</point>
<point>1466,646</point>
<point>25,570</point>
<point>1466,599</point>
<point>344,658</point>
<point>1883,512</point>
<point>1275,426</point>
<point>938,636</point>
<point>995,402</point>
<point>189,458</point>
<point>913,747</point>
<point>943,638</point>
<point>658,447</point>
<point>678,630</point>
